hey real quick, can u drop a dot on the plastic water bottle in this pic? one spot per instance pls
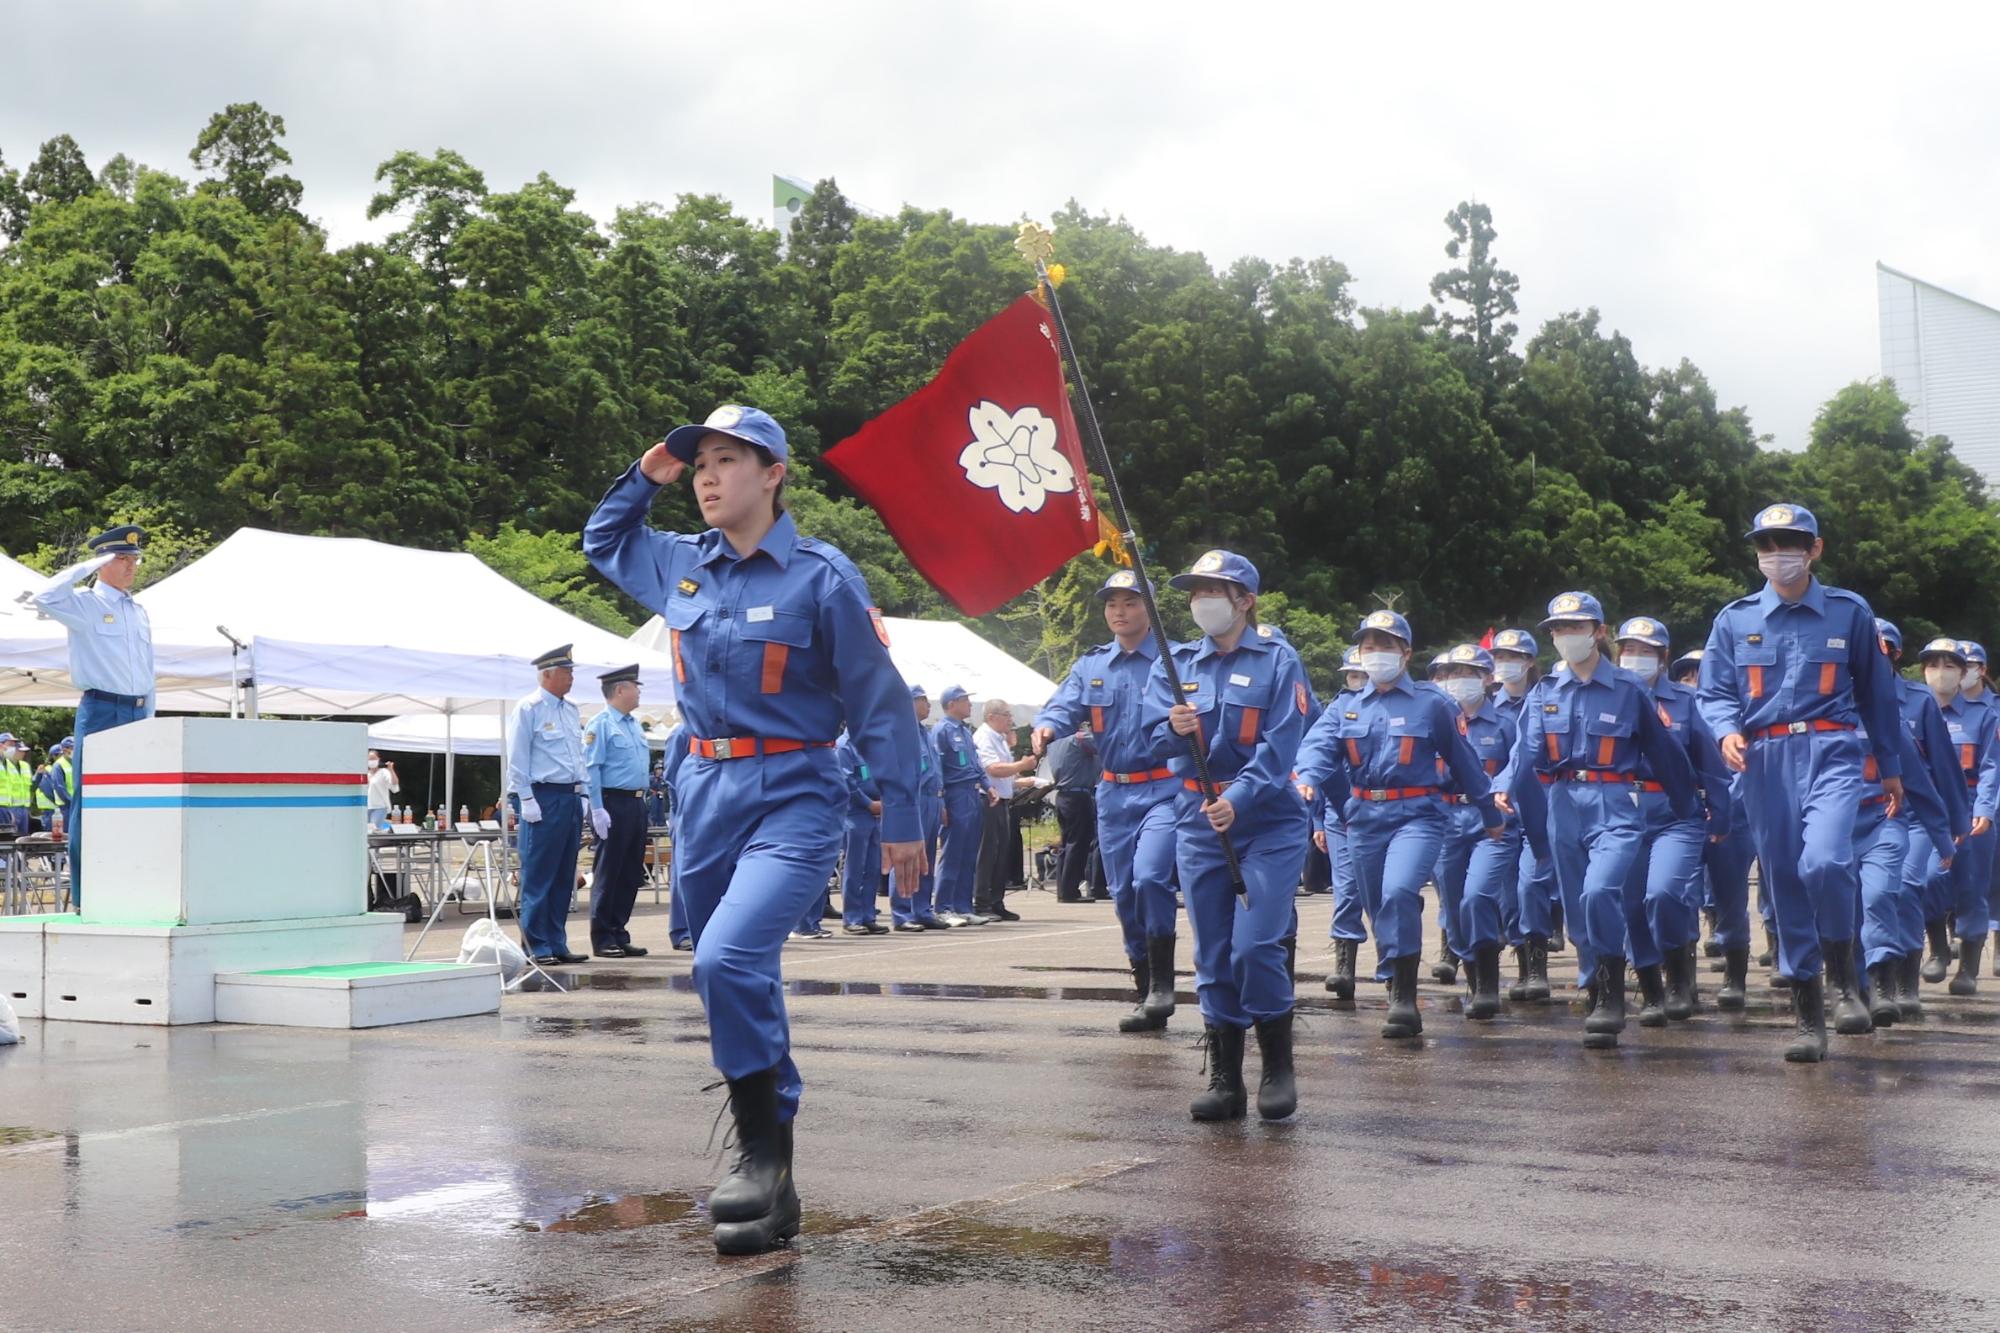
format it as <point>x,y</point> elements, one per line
<point>56,822</point>
<point>464,814</point>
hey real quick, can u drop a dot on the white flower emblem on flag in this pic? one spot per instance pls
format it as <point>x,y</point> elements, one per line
<point>1015,455</point>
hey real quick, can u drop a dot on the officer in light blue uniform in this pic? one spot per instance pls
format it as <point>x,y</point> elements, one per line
<point>1350,921</point>
<point>1243,696</point>
<point>1922,884</point>
<point>1137,796</point>
<point>671,760</point>
<point>917,911</point>
<point>1973,727</point>
<point>775,641</point>
<point>1583,735</point>
<point>1528,913</point>
<point>1663,896</point>
<point>617,762</point>
<point>967,793</point>
<point>1476,873</point>
<point>110,653</point>
<point>861,865</point>
<point>1788,676</point>
<point>1380,757</point>
<point>546,787</point>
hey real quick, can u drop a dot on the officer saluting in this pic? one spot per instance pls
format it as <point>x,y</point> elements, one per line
<point>110,652</point>
<point>1787,676</point>
<point>545,784</point>
<point>617,760</point>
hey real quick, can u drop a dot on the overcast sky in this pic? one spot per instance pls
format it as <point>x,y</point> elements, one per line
<point>1718,181</point>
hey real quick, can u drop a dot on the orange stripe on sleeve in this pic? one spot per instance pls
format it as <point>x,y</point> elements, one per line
<point>774,667</point>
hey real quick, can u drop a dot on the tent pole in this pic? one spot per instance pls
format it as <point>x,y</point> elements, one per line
<point>450,764</point>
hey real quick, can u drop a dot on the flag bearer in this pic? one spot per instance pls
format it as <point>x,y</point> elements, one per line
<point>775,641</point>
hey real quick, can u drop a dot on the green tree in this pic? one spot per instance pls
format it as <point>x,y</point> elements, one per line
<point>550,565</point>
<point>241,143</point>
<point>58,174</point>
<point>1478,297</point>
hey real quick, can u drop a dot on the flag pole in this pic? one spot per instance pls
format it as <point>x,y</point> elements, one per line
<point>1035,246</point>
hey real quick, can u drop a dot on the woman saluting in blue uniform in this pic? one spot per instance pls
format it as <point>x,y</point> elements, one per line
<point>774,643</point>
<point>1244,695</point>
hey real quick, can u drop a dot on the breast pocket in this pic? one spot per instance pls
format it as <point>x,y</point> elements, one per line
<point>1412,744</point>
<point>1555,736</point>
<point>1354,741</point>
<point>1826,670</point>
<point>682,616</point>
<point>1754,665</point>
<point>1098,701</point>
<point>1607,737</point>
<point>1243,710</point>
<point>778,632</point>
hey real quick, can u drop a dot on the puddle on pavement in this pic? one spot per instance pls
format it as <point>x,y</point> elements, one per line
<point>908,990</point>
<point>618,1212</point>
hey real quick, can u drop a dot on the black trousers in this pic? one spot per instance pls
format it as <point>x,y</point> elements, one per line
<point>996,839</point>
<point>1076,816</point>
<point>619,870</point>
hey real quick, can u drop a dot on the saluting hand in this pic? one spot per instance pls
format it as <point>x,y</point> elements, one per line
<point>660,467</point>
<point>907,862</point>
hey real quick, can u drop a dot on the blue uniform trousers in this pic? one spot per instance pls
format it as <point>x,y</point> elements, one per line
<point>1454,855</point>
<point>861,870</point>
<point>1534,894</point>
<point>1349,921</point>
<point>965,808</point>
<point>1394,846</point>
<point>1239,954</point>
<point>918,906</point>
<point>1728,865</point>
<point>1968,884</point>
<point>548,867</point>
<point>93,714</point>
<point>1803,792</point>
<point>760,838</point>
<point>1136,841</point>
<point>1595,834</point>
<point>1663,894</point>
<point>1491,884</point>
<point>618,870</point>
<point>677,911</point>
<point>1889,909</point>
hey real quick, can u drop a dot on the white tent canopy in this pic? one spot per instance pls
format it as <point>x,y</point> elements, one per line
<point>343,626</point>
<point>479,733</point>
<point>933,654</point>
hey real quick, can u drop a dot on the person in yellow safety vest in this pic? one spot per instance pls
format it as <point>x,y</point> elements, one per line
<point>59,779</point>
<point>41,801</point>
<point>16,782</point>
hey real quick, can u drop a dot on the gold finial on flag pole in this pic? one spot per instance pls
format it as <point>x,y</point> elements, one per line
<point>1036,244</point>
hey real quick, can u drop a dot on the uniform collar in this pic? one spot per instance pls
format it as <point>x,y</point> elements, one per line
<point>1251,640</point>
<point>1402,682</point>
<point>778,543</point>
<point>1769,601</point>
<point>543,693</point>
<point>1148,649</point>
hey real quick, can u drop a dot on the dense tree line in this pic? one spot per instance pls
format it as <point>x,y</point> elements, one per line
<point>190,351</point>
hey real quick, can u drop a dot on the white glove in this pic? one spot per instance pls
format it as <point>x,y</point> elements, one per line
<point>601,821</point>
<point>531,810</point>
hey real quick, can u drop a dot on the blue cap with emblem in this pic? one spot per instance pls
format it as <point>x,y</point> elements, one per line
<point>953,693</point>
<point>1515,641</point>
<point>1573,606</point>
<point>1121,580</point>
<point>1951,648</point>
<point>1386,622</point>
<point>1784,518</point>
<point>918,692</point>
<point>1218,565</point>
<point>125,539</point>
<point>1640,629</point>
<point>1973,651</point>
<point>556,657</point>
<point>1470,654</point>
<point>1351,660</point>
<point>1886,631</point>
<point>1438,663</point>
<point>748,424</point>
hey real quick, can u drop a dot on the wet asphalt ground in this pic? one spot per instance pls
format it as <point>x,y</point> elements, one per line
<point>980,1148</point>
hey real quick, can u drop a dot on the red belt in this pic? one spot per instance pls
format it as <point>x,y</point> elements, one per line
<point>1879,798</point>
<point>1150,775</point>
<point>1798,729</point>
<point>1394,793</point>
<point>1599,775</point>
<point>743,747</point>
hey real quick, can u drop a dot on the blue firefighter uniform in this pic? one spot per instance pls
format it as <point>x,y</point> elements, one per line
<point>1584,741</point>
<point>918,910</point>
<point>671,760</point>
<point>1350,921</point>
<point>1382,755</point>
<point>966,792</point>
<point>771,651</point>
<point>1973,728</point>
<point>1528,914</point>
<point>1138,804</point>
<point>1889,925</point>
<point>861,865</point>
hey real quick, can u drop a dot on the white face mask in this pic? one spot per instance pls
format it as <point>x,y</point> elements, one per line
<point>1643,665</point>
<point>1575,648</point>
<point>1509,672</point>
<point>373,764</point>
<point>1356,679</point>
<point>1942,679</point>
<point>1782,566</point>
<point>1466,690</point>
<point>1216,615</point>
<point>1382,667</point>
<point>1972,677</point>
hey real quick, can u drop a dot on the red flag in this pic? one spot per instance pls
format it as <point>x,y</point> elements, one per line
<point>979,475</point>
<point>1486,639</point>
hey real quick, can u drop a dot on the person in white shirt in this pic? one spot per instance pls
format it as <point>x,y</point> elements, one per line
<point>995,747</point>
<point>382,784</point>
